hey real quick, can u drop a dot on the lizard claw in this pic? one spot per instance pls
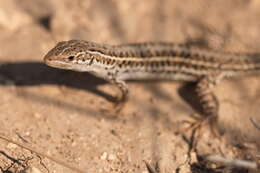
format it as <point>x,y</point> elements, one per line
<point>119,103</point>
<point>210,121</point>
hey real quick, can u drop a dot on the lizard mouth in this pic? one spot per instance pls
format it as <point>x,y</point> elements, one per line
<point>57,64</point>
<point>63,65</point>
<point>54,61</point>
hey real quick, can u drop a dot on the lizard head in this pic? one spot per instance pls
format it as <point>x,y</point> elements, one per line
<point>72,55</point>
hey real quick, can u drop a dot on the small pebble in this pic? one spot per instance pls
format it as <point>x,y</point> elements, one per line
<point>104,156</point>
<point>11,146</point>
<point>111,157</point>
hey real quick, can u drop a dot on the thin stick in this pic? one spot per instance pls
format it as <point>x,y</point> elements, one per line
<point>149,167</point>
<point>233,162</point>
<point>42,154</point>
<point>256,125</point>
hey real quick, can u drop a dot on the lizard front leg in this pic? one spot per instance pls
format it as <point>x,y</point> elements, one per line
<point>122,99</point>
<point>121,85</point>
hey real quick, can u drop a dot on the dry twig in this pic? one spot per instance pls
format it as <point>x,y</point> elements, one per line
<point>43,154</point>
<point>255,124</point>
<point>233,162</point>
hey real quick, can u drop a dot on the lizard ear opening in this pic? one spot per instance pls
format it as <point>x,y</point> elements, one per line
<point>71,58</point>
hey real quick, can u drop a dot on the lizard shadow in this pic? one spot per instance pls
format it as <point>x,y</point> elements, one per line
<point>37,73</point>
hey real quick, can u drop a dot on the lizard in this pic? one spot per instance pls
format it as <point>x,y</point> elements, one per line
<point>154,61</point>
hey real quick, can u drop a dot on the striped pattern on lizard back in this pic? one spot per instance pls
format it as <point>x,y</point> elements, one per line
<point>148,60</point>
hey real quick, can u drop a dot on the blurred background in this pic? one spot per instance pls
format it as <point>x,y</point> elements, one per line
<point>37,24</point>
<point>65,113</point>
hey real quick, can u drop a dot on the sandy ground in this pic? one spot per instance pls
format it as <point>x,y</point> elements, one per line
<point>66,115</point>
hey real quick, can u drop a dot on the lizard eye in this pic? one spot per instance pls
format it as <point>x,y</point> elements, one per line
<point>71,58</point>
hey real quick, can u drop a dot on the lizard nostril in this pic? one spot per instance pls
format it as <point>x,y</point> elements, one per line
<point>71,58</point>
